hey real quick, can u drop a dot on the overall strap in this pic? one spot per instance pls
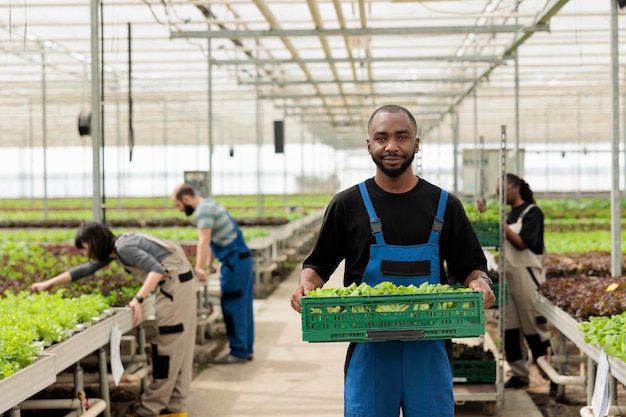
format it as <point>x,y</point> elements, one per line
<point>375,224</point>
<point>438,222</point>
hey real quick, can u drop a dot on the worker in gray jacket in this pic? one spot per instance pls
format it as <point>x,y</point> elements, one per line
<point>159,264</point>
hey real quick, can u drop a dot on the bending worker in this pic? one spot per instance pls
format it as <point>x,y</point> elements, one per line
<point>158,264</point>
<point>396,227</point>
<point>219,235</point>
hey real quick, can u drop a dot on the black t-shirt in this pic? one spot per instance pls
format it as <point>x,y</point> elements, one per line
<point>532,226</point>
<point>406,219</point>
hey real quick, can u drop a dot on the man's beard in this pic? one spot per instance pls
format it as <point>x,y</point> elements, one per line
<point>394,173</point>
<point>188,210</point>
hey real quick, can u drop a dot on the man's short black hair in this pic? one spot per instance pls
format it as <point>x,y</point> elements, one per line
<point>392,108</point>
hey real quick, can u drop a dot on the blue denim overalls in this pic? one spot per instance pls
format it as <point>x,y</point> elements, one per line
<point>237,281</point>
<point>383,377</point>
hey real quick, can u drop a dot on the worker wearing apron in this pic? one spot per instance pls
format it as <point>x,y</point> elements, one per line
<point>525,273</point>
<point>237,281</point>
<point>432,374</point>
<point>175,322</point>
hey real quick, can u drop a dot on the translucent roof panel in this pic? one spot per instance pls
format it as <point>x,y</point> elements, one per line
<point>323,66</point>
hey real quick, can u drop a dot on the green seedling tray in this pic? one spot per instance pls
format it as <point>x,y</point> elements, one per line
<point>474,371</point>
<point>495,287</point>
<point>488,233</point>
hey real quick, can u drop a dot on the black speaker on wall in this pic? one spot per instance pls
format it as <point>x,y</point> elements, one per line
<point>279,136</point>
<point>84,123</point>
<point>622,3</point>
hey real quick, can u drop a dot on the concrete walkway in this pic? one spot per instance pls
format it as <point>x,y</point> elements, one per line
<point>290,378</point>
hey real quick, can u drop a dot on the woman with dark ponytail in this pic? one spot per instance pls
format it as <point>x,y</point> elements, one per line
<point>524,253</point>
<point>524,189</point>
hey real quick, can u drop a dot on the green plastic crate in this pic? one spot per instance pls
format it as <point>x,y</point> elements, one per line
<point>474,371</point>
<point>488,233</point>
<point>355,319</point>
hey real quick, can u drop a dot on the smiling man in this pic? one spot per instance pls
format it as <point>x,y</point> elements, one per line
<point>396,227</point>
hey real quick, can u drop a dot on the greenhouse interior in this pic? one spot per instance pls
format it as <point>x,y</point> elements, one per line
<point>264,108</point>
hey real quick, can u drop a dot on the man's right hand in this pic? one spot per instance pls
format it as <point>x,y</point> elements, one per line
<point>299,293</point>
<point>201,273</point>
<point>309,281</point>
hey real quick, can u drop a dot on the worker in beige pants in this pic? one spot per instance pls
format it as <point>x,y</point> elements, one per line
<point>173,346</point>
<point>163,268</point>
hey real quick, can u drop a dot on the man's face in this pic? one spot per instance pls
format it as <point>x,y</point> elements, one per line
<point>392,143</point>
<point>181,205</point>
<point>188,209</point>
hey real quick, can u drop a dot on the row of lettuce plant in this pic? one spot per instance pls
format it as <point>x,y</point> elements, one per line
<point>31,322</point>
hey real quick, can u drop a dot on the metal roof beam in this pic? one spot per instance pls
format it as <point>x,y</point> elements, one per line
<point>367,106</point>
<point>305,110</point>
<point>368,60</point>
<point>270,96</point>
<point>542,19</point>
<point>400,31</point>
<point>377,81</point>
<point>308,114</point>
